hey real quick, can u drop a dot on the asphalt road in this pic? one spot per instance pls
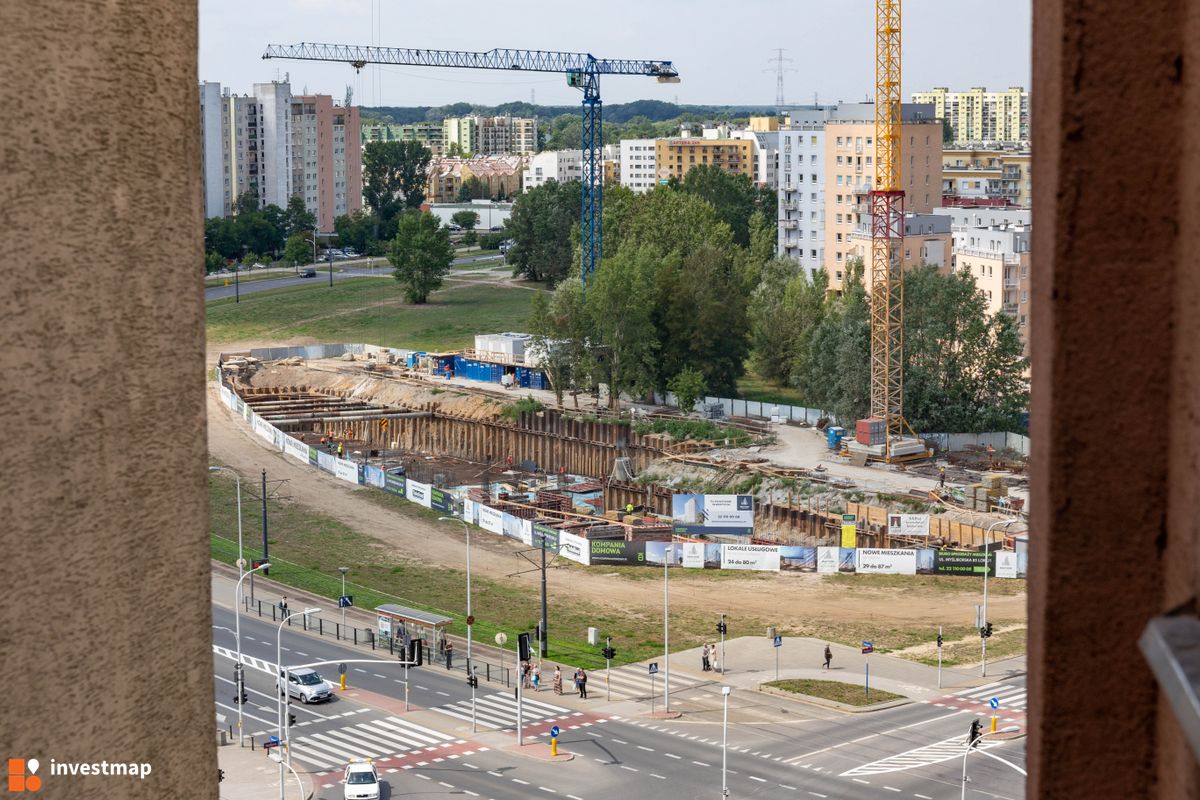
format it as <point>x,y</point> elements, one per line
<point>776,748</point>
<point>342,269</point>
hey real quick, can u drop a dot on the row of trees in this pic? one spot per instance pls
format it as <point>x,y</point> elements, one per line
<point>689,293</point>
<point>255,232</point>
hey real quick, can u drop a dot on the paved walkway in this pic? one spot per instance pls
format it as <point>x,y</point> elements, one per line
<point>251,775</point>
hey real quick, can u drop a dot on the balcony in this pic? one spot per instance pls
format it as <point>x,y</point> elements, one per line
<point>1010,309</point>
<point>789,224</point>
<point>788,206</point>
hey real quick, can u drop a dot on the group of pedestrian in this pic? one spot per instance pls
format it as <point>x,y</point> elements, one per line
<point>531,678</point>
<point>708,658</point>
<point>581,683</point>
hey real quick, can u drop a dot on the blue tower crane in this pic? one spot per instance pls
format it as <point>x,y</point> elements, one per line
<point>583,71</point>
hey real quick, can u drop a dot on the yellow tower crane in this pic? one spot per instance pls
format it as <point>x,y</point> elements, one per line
<point>885,435</point>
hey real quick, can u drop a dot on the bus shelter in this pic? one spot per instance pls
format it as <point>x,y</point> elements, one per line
<point>405,624</point>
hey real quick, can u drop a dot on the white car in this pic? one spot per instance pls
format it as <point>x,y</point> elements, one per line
<point>361,781</point>
<point>307,685</point>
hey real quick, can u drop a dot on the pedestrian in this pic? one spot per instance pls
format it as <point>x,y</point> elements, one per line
<point>704,656</point>
<point>537,677</point>
<point>449,654</point>
<point>582,683</point>
<point>828,657</point>
<point>339,449</point>
<point>577,687</point>
<point>525,674</point>
<point>283,605</point>
<point>557,680</point>
<point>712,649</point>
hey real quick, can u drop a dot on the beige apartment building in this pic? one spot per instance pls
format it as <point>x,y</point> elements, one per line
<point>427,133</point>
<point>674,157</point>
<point>849,177</point>
<point>978,115</point>
<point>928,239</point>
<point>993,174</point>
<point>477,135</point>
<point>500,174</point>
<point>326,157</point>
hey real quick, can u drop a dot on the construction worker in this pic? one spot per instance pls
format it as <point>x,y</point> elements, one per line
<point>339,450</point>
<point>941,477</point>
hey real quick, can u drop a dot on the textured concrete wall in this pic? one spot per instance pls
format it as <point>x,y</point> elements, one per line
<point>104,634</point>
<point>1115,396</point>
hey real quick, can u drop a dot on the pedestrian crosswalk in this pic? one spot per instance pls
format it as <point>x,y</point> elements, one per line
<point>1011,698</point>
<point>375,739</point>
<point>634,682</point>
<point>918,757</point>
<point>499,710</point>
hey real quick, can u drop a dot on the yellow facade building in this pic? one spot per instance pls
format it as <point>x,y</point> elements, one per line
<point>993,174</point>
<point>978,115</point>
<point>675,157</point>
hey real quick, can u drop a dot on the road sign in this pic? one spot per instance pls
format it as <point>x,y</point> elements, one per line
<point>271,742</point>
<point>470,619</point>
<point>554,731</point>
<point>868,647</point>
<point>341,669</point>
<point>346,601</point>
<point>994,703</point>
<point>501,639</point>
<point>654,668</point>
<point>779,641</point>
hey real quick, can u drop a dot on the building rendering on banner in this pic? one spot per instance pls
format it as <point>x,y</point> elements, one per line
<point>278,145</point>
<point>978,115</point>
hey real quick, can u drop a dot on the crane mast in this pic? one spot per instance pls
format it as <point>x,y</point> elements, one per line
<point>583,71</point>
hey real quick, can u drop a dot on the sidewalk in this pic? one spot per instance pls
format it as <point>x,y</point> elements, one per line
<point>251,775</point>
<point>750,661</point>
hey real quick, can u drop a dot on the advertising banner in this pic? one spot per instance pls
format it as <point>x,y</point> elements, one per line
<point>226,396</point>
<point>713,513</point>
<point>264,429</point>
<point>490,519</point>
<point>961,562</point>
<point>417,492</point>
<point>516,528</point>
<point>693,555</point>
<point>440,500</point>
<point>312,456</point>
<point>296,449</point>
<point>827,560</point>
<point>846,559</point>
<point>326,461</point>
<point>849,530</point>
<point>574,547</point>
<point>471,512</point>
<point>1006,564</point>
<point>886,562</point>
<point>385,626</point>
<point>395,484</point>
<point>908,524</point>
<point>616,551</point>
<point>760,557</point>
<point>798,559</point>
<point>374,476</point>
<point>925,556</point>
<point>545,538</point>
<point>346,470</point>
<point>526,532</point>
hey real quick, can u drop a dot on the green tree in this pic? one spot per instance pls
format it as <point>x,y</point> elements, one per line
<point>732,196</point>
<point>421,254</point>
<point>394,177</point>
<point>358,230</point>
<point>566,133</point>
<point>221,236</point>
<point>688,386</point>
<point>472,189</point>
<point>465,219</point>
<point>773,319</point>
<point>298,218</point>
<point>213,261</point>
<point>562,332</point>
<point>541,227</point>
<point>298,249</point>
<point>247,202</point>
<point>470,238</point>
<point>620,305</point>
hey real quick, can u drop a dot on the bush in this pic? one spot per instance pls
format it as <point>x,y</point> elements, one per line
<point>527,404</point>
<point>491,240</point>
<point>682,429</point>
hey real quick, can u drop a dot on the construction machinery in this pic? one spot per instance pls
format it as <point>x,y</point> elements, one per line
<point>886,435</point>
<point>583,72</point>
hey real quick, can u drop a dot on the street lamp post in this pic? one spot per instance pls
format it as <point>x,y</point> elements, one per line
<point>239,670</point>
<point>971,746</point>
<point>343,570</point>
<point>987,562</point>
<point>470,617</point>
<point>724,740</point>
<point>666,629</point>
<point>284,696</point>
<point>329,258</point>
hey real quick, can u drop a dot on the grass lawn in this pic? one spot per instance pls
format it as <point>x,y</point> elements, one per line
<point>247,277</point>
<point>847,693</point>
<point>948,584</point>
<point>370,310</point>
<point>307,547</point>
<point>752,387</point>
<point>1002,644</point>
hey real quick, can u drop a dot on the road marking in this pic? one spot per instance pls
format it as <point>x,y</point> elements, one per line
<point>671,755</point>
<point>468,791</point>
<point>756,778</point>
<point>701,764</point>
<point>619,741</point>
<point>423,777</point>
<point>497,774</point>
<point>785,786</point>
<point>377,675</point>
<point>544,789</point>
<point>860,780</point>
<point>891,788</point>
<point>573,797</point>
<point>593,733</point>
<point>647,749</point>
<point>816,794</point>
<point>356,669</point>
<point>631,769</point>
<point>863,738</point>
<point>660,777</point>
<point>447,785</point>
<point>297,652</point>
<point>444,694</point>
<point>518,780</point>
<point>922,796</point>
<point>422,688</point>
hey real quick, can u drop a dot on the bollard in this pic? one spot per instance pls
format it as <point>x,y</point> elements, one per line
<point>993,723</point>
<point>553,746</point>
<point>343,677</point>
<point>320,627</point>
<point>488,670</point>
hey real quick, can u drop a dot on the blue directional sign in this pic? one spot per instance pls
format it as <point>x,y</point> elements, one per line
<point>994,703</point>
<point>554,732</point>
<point>271,742</point>
<point>345,601</point>
<point>779,641</point>
<point>868,647</point>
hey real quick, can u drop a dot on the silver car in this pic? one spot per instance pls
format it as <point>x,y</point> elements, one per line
<point>307,685</point>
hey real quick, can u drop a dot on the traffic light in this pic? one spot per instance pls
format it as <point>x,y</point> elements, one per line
<point>473,681</point>
<point>973,736</point>
<point>983,632</point>
<point>988,628</point>
<point>523,646</point>
<point>939,640</point>
<point>721,627</point>
<point>609,653</point>
<point>220,775</point>
<point>291,720</point>
<point>416,652</point>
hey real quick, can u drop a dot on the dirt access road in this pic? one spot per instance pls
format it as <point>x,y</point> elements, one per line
<point>413,538</point>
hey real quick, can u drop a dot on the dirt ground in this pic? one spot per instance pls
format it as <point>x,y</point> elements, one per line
<point>796,595</point>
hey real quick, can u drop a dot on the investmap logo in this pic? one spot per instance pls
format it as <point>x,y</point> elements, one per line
<point>22,775</point>
<point>23,772</point>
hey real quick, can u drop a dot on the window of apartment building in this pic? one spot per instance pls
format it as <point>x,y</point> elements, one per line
<point>839,219</point>
<point>839,238</point>
<point>813,252</point>
<point>812,140</point>
<point>814,177</point>
<point>839,274</point>
<point>839,258</point>
<point>839,160</point>
<point>839,180</point>
<point>813,197</point>
<point>839,198</point>
<point>839,141</point>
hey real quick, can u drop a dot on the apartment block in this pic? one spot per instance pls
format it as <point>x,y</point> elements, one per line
<point>427,133</point>
<point>801,178</point>
<point>552,165</point>
<point>675,157</point>
<point>928,239</point>
<point>978,115</point>
<point>500,174</point>
<point>478,135</point>
<point>638,164</point>
<point>1001,173</point>
<point>850,172</point>
<point>326,157</point>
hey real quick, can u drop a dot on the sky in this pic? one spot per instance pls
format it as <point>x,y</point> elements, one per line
<point>721,49</point>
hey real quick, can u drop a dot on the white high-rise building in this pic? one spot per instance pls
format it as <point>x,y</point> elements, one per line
<point>552,165</point>
<point>638,165</point>
<point>801,181</point>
